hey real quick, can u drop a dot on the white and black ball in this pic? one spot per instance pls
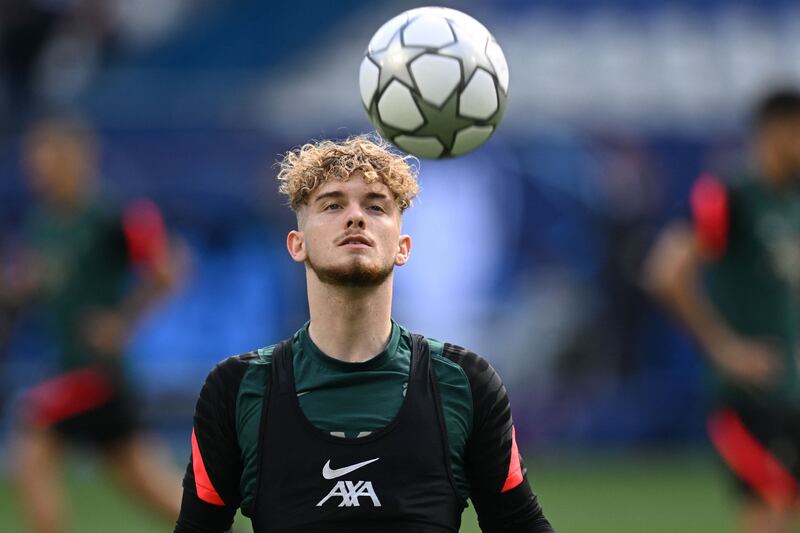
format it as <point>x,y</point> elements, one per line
<point>434,82</point>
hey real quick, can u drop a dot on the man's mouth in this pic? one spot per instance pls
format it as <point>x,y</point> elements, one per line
<point>358,241</point>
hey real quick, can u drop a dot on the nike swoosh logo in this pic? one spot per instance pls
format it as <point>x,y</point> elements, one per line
<point>333,473</point>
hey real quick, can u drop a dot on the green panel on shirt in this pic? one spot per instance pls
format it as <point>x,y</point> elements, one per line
<point>248,418</point>
<point>84,266</point>
<point>755,284</point>
<point>456,397</point>
<point>352,399</point>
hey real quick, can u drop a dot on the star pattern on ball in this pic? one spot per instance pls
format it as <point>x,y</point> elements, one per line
<point>393,62</point>
<point>470,51</point>
<point>385,130</point>
<point>442,123</point>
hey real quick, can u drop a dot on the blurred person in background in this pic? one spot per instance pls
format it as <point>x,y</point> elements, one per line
<point>732,277</point>
<point>354,424</point>
<point>94,270</point>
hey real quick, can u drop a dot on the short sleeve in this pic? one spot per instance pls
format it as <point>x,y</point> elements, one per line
<point>710,205</point>
<point>145,234</point>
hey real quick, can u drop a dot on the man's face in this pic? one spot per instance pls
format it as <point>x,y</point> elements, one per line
<point>58,168</point>
<point>792,139</point>
<point>784,137</point>
<point>349,233</point>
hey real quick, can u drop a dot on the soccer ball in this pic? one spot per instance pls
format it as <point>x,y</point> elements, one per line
<point>434,82</point>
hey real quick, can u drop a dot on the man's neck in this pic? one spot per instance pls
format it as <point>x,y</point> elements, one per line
<point>68,206</point>
<point>350,324</point>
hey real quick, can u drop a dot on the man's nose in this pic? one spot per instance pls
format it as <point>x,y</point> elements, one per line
<point>355,218</point>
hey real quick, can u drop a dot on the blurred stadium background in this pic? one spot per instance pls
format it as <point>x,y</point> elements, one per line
<point>531,246</point>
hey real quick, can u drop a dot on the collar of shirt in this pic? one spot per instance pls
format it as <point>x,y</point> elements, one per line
<point>302,344</point>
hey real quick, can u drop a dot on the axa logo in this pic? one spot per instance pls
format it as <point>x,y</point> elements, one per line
<point>349,491</point>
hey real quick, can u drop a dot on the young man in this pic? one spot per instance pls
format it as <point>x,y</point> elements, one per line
<point>76,263</point>
<point>354,424</point>
<point>744,244</point>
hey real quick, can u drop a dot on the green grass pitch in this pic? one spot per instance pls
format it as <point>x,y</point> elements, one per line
<point>643,493</point>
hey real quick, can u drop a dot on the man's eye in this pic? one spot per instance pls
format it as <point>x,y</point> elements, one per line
<point>377,208</point>
<point>332,207</point>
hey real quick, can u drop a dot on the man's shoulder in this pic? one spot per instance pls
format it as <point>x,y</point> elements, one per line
<point>259,356</point>
<point>469,361</point>
<point>730,183</point>
<point>229,372</point>
<point>475,368</point>
<point>464,370</point>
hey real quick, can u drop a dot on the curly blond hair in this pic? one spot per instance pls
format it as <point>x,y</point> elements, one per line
<point>304,169</point>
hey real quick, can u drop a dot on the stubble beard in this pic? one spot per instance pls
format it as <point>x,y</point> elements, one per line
<point>356,274</point>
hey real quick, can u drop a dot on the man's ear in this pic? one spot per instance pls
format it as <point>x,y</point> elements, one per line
<point>403,250</point>
<point>296,245</point>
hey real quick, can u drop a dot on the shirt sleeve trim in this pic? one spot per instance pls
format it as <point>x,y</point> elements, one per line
<point>711,212</point>
<point>203,486</point>
<point>515,476</point>
<point>145,235</point>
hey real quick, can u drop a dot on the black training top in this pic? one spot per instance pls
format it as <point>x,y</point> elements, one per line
<point>359,403</point>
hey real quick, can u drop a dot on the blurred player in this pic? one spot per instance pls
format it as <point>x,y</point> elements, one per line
<point>78,259</point>
<point>732,277</point>
<point>354,424</point>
